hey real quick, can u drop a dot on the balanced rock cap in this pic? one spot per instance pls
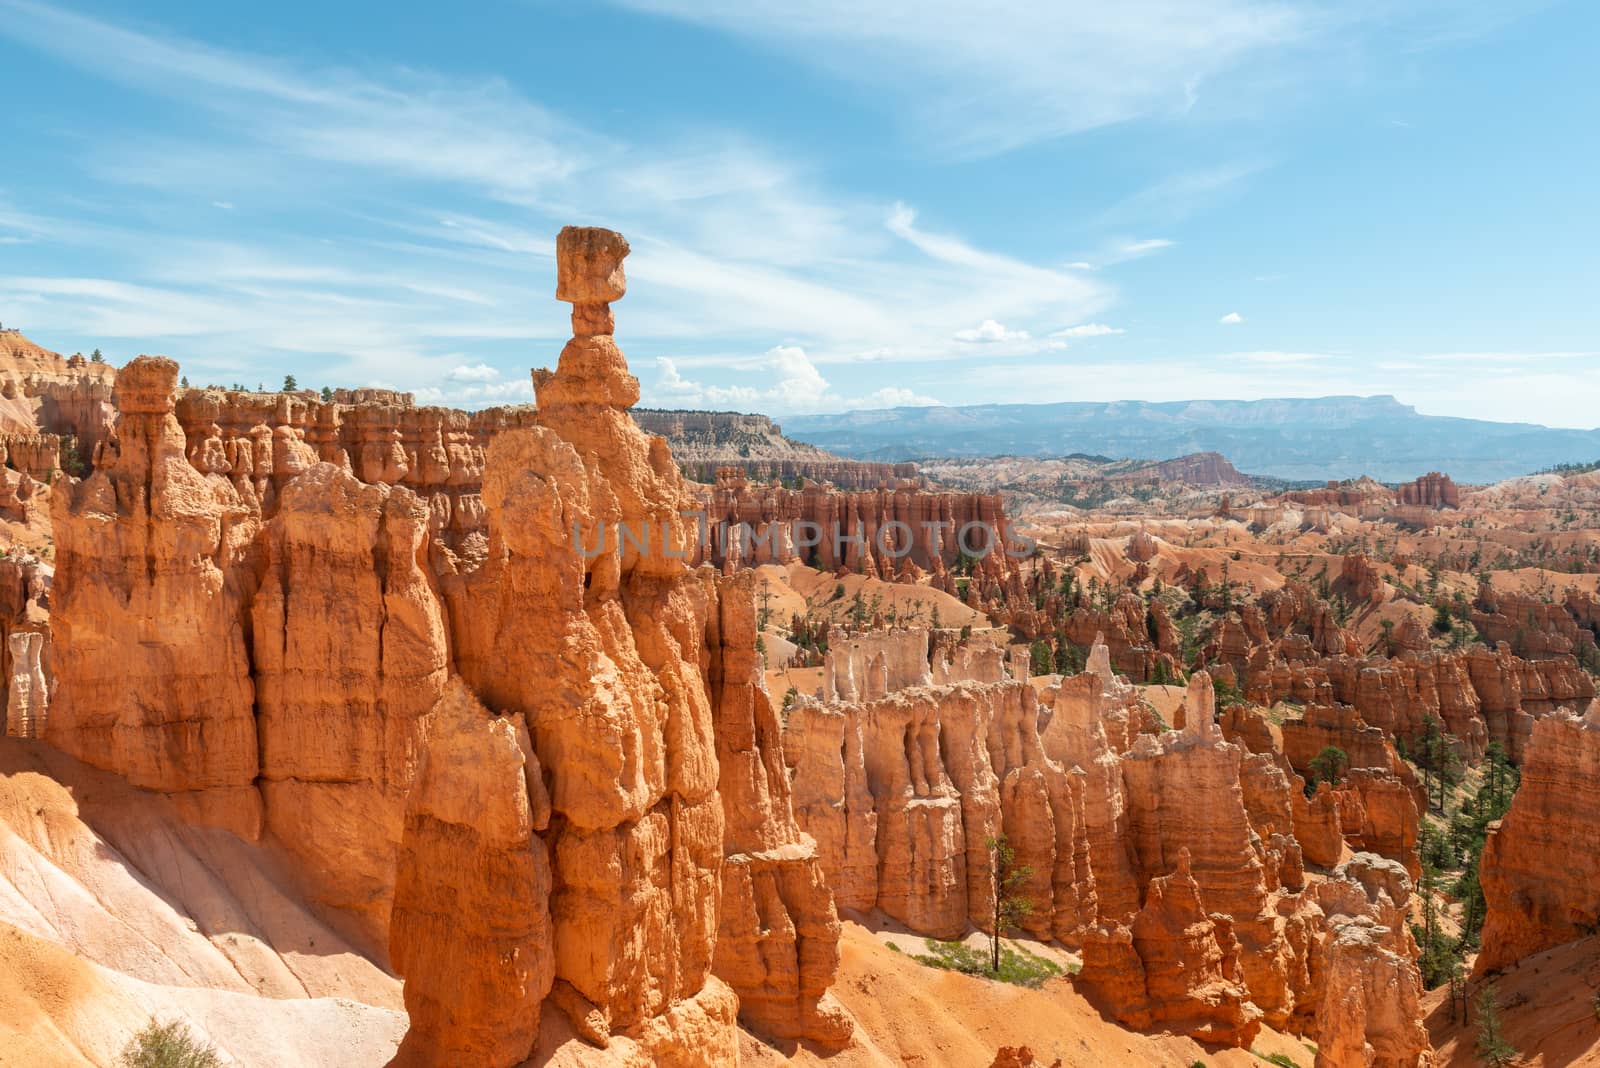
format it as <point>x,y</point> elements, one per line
<point>589,265</point>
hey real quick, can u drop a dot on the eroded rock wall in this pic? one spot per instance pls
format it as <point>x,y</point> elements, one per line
<point>153,676</point>
<point>1539,871</point>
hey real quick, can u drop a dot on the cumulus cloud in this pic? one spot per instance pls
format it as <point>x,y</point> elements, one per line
<point>795,386</point>
<point>989,331</point>
<point>893,397</point>
<point>1231,319</point>
<point>477,394</point>
<point>476,372</point>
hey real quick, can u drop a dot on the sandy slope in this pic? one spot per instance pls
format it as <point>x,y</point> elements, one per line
<point>921,1017</point>
<point>114,911</point>
<point>1549,1006</point>
<point>58,1009</point>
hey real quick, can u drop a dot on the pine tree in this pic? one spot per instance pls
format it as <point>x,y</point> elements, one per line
<point>289,384</point>
<point>1494,1049</point>
<point>1010,907</point>
<point>1328,766</point>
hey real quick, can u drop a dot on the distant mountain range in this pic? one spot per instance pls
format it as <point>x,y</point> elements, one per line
<point>1315,438</point>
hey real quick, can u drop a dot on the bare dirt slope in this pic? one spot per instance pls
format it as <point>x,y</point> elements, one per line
<point>922,1017</point>
<point>1549,1008</point>
<point>114,911</point>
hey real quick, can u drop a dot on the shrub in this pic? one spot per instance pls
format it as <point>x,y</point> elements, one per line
<point>168,1045</point>
<point>1017,966</point>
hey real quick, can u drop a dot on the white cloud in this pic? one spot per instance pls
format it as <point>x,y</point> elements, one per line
<point>893,397</point>
<point>990,331</point>
<point>1231,319</point>
<point>476,372</point>
<point>426,127</point>
<point>1279,358</point>
<point>1505,357</point>
<point>1087,330</point>
<point>800,386</point>
<point>1180,195</point>
<point>477,395</point>
<point>1019,70</point>
<point>975,81</point>
<point>791,383</point>
<point>1124,249</point>
<point>735,245</point>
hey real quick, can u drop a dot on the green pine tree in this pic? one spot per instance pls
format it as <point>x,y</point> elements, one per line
<point>1494,1049</point>
<point>1010,907</point>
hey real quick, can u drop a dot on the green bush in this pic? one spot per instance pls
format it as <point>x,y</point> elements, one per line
<point>1017,966</point>
<point>168,1045</point>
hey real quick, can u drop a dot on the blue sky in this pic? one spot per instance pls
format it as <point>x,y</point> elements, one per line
<point>829,208</point>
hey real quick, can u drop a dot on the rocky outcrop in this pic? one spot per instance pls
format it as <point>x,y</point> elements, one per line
<point>704,443</point>
<point>52,407</point>
<point>869,666</point>
<point>36,455</point>
<point>1174,864</point>
<point>1019,1057</point>
<point>1539,870</point>
<point>1371,1013</point>
<point>27,689</point>
<point>904,794</point>
<point>900,532</point>
<point>1359,497</point>
<point>778,935</point>
<point>1193,983</point>
<point>1125,630</point>
<point>471,907</point>
<point>1431,490</point>
<point>1185,793</point>
<point>25,582</point>
<point>1477,695</point>
<point>1196,469</point>
<point>600,656</point>
<point>259,441</point>
<point>1533,627</point>
<point>349,651</point>
<point>151,661</point>
<point>1087,729</point>
<point>1360,580</point>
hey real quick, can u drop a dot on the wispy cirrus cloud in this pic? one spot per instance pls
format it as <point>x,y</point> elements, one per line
<point>1087,330</point>
<point>737,248</point>
<point>976,81</point>
<point>984,80</point>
